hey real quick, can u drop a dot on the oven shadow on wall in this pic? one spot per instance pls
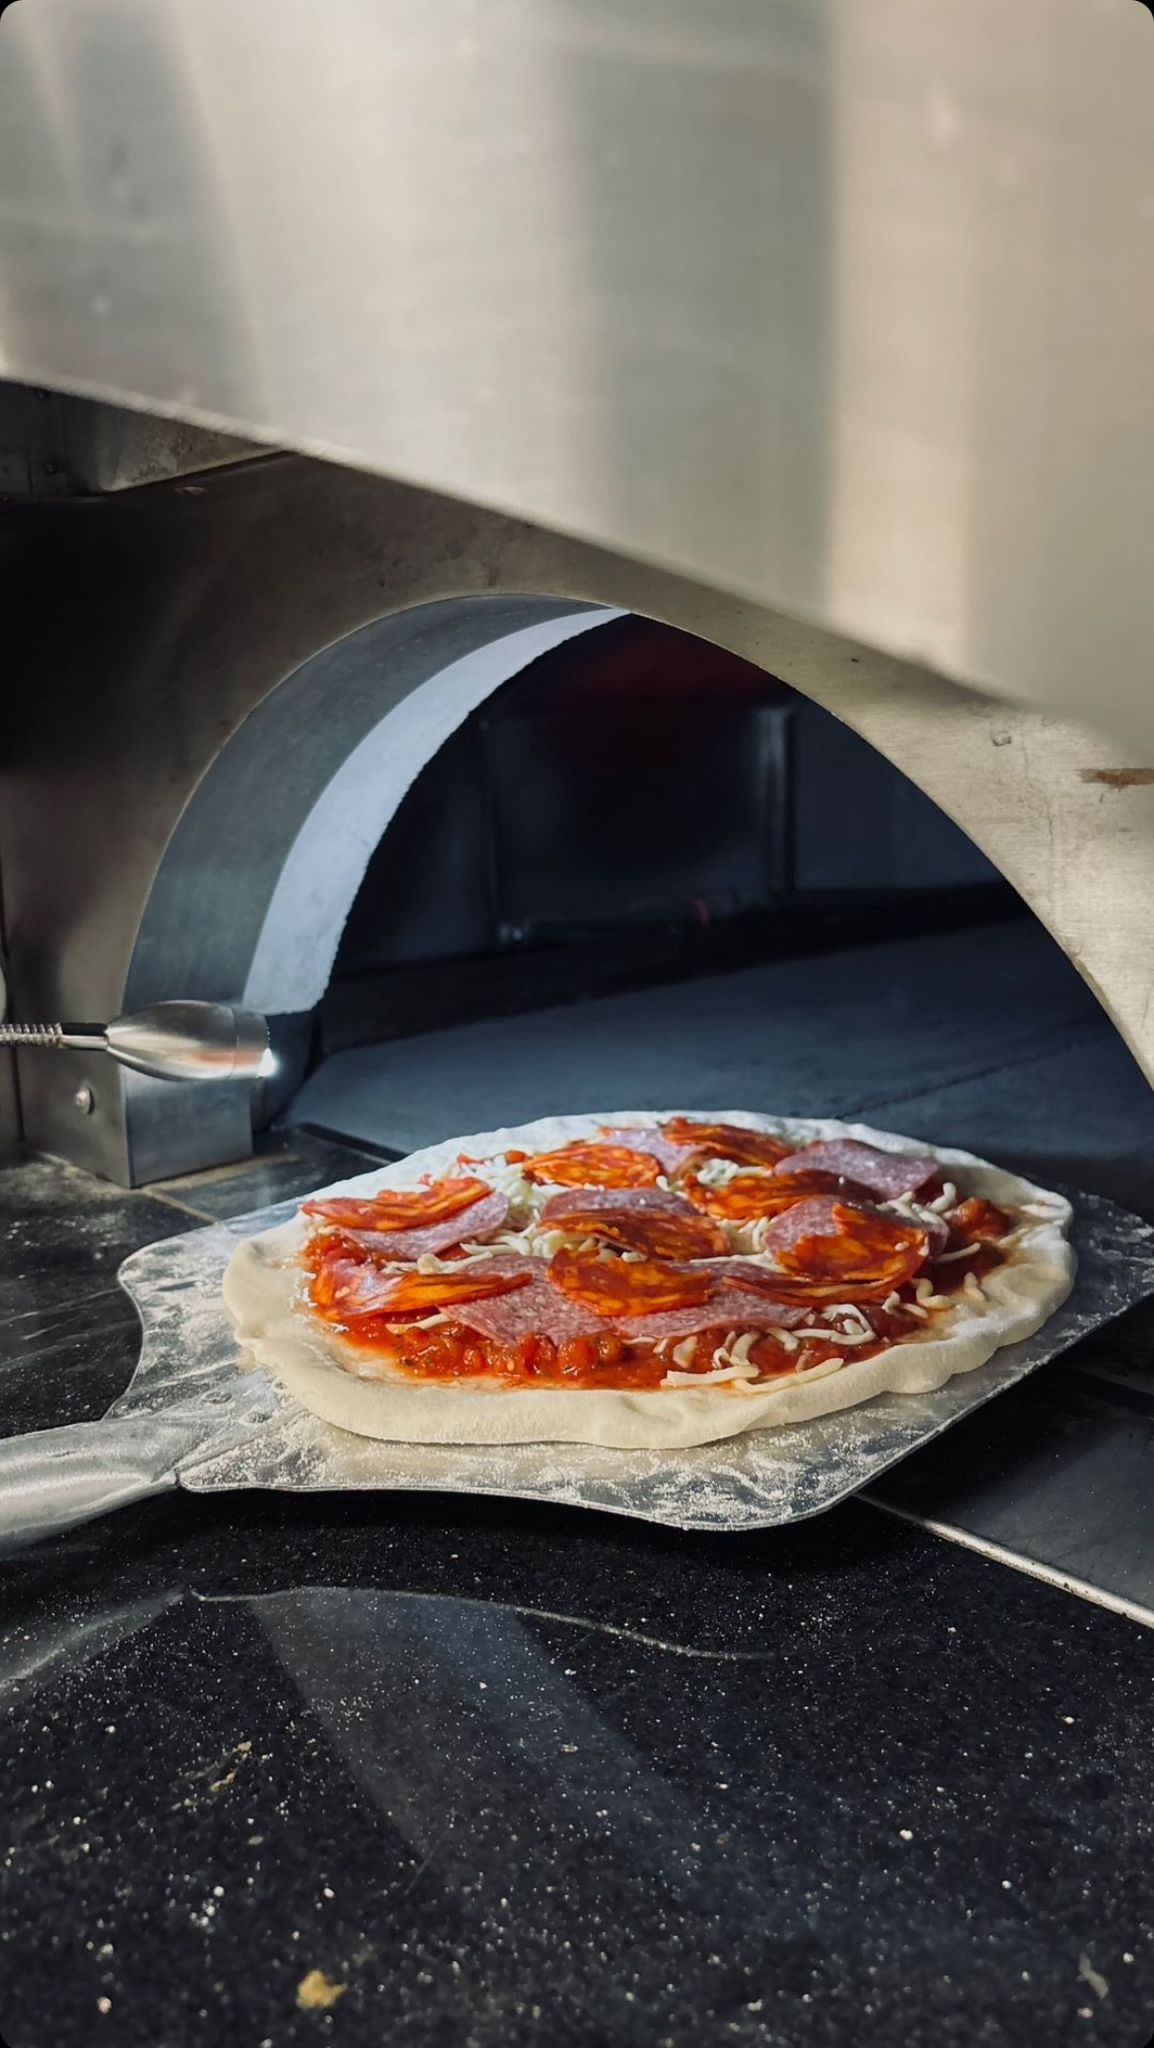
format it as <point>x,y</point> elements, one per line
<point>645,873</point>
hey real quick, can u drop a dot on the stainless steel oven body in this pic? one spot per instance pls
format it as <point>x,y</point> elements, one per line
<point>822,333</point>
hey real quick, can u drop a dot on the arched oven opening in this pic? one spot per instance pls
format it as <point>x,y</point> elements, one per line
<point>642,872</point>
<point>445,796</point>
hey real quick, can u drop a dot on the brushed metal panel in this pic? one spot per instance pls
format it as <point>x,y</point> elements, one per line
<point>846,306</point>
<point>55,446</point>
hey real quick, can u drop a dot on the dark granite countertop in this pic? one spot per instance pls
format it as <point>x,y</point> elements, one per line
<point>391,1770</point>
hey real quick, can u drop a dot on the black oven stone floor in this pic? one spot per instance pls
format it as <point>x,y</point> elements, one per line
<point>986,1038</point>
<point>283,1770</point>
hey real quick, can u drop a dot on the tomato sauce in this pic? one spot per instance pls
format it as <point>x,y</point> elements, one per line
<point>448,1353</point>
<point>949,1275</point>
<point>978,1222</point>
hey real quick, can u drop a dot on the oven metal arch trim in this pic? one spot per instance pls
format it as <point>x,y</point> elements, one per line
<point>197,607</point>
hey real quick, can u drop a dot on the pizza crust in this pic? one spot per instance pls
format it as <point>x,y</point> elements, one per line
<point>263,1294</point>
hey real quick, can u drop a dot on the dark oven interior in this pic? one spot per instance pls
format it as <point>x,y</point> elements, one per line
<point>643,873</point>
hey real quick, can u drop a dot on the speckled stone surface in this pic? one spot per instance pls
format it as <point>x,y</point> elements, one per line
<point>508,1776</point>
<point>485,1774</point>
<point>68,1334</point>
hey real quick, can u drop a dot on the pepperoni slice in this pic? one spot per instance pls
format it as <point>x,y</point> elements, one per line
<point>749,1196</point>
<point>479,1220</point>
<point>616,1287</point>
<point>664,1226</point>
<point>352,1287</point>
<point>401,1208</point>
<point>827,1240</point>
<point>887,1175</point>
<point>730,1308</point>
<point>586,1164</point>
<point>728,1141</point>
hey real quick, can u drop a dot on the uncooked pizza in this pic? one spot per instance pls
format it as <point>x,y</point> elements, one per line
<point>646,1280</point>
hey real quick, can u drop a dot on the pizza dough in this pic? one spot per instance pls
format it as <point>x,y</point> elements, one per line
<point>264,1295</point>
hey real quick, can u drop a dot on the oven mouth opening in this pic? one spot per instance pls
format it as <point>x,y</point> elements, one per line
<point>494,855</point>
<point>642,873</point>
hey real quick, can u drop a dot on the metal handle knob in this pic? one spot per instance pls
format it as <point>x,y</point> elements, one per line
<point>175,1041</point>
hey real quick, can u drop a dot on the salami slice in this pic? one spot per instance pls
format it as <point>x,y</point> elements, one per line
<point>887,1175</point>
<point>831,1241</point>
<point>729,1308</point>
<point>537,1309</point>
<point>749,1196</point>
<point>480,1219</point>
<point>617,1287</point>
<point>355,1287</point>
<point>648,1138</point>
<point>641,1219</point>
<point>586,1164</point>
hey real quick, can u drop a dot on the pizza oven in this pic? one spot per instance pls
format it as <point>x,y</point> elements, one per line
<point>344,542</point>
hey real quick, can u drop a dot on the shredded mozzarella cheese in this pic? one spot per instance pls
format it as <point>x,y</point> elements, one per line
<point>715,1378</point>
<point>963,1252</point>
<point>920,1213</point>
<point>807,1372</point>
<point>523,1196</point>
<point>847,1308</point>
<point>717,1173</point>
<point>837,1336</point>
<point>819,1372</point>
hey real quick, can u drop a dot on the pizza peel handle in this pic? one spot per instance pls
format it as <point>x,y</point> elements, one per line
<point>54,1479</point>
